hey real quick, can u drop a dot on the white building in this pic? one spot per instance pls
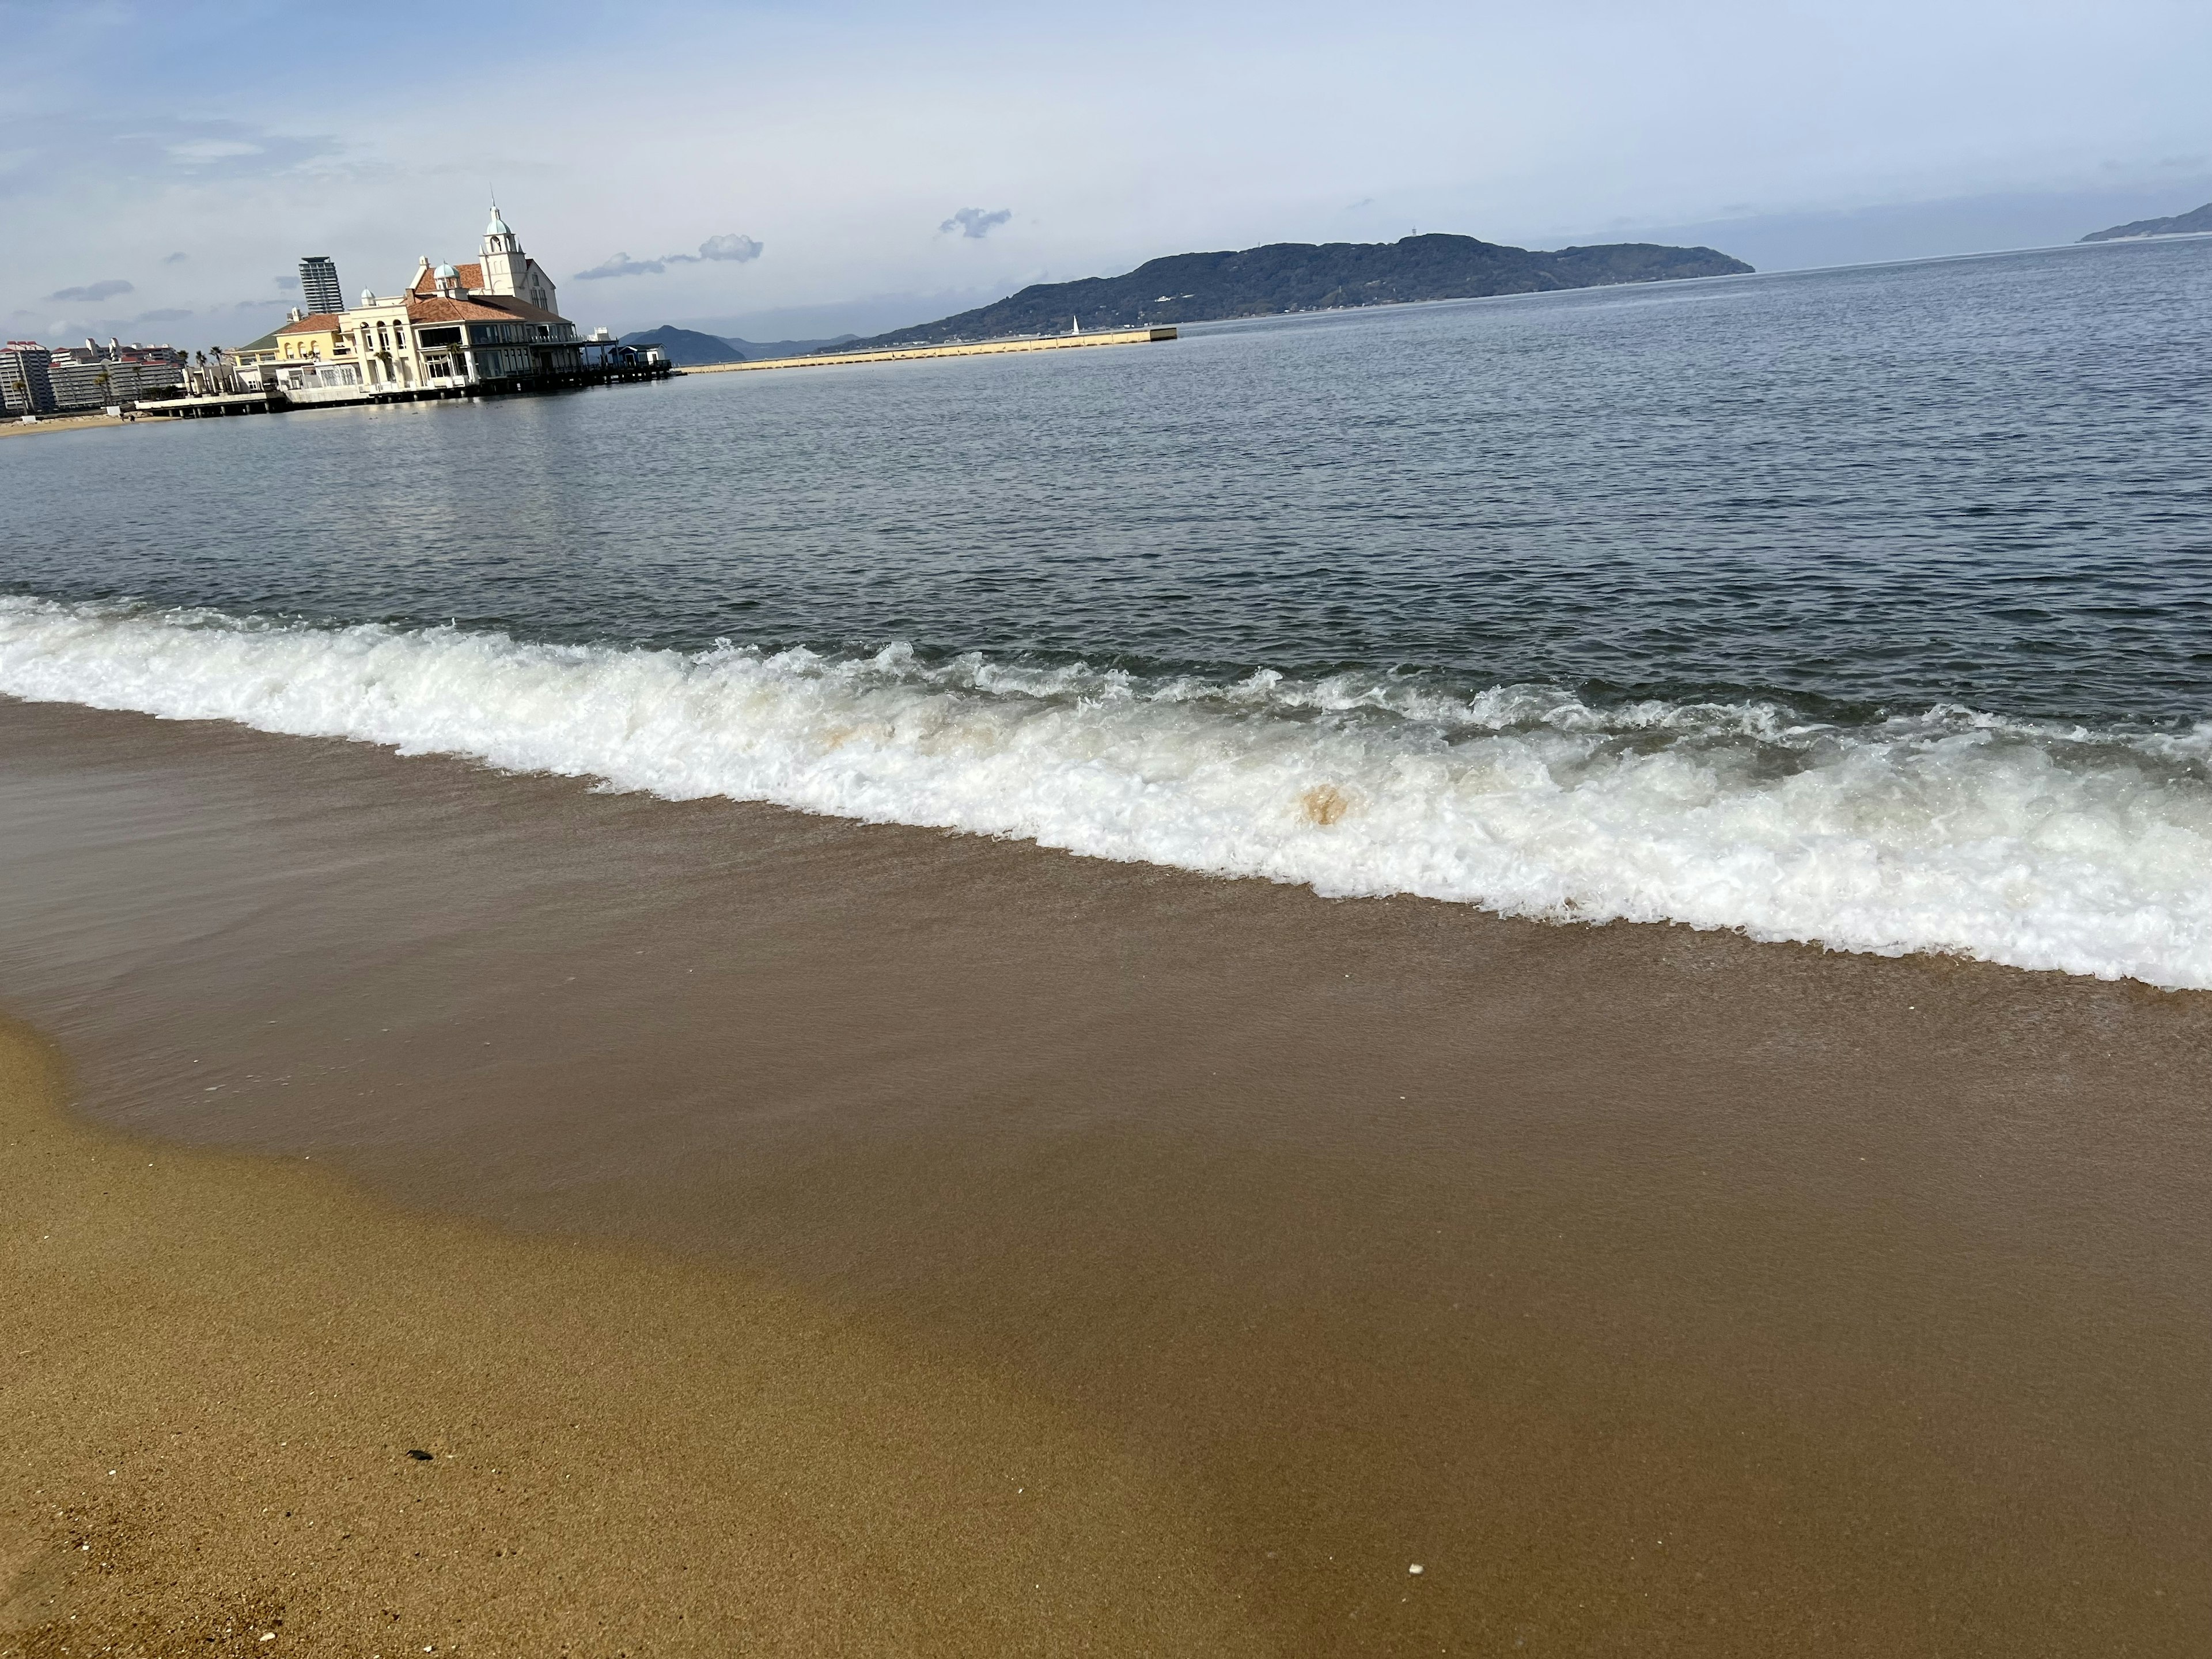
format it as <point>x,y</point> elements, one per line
<point>489,324</point>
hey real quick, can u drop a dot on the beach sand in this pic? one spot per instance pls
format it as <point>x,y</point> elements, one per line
<point>244,1401</point>
<point>1654,1292</point>
<point>12,427</point>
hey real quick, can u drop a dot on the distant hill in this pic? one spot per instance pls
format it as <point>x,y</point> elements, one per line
<point>757,349</point>
<point>2182,224</point>
<point>689,348</point>
<point>1286,276</point>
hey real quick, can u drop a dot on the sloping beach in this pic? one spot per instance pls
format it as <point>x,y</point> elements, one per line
<point>252,1411</point>
<point>765,1197</point>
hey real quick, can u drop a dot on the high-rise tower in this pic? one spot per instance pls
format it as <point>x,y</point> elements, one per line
<point>319,281</point>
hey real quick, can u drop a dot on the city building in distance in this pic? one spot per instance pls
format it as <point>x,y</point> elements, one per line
<point>26,385</point>
<point>35,380</point>
<point>319,283</point>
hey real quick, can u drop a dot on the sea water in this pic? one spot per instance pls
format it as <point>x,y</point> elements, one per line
<point>1868,608</point>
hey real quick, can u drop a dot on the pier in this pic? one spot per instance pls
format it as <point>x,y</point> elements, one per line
<point>277,396</point>
<point>213,404</point>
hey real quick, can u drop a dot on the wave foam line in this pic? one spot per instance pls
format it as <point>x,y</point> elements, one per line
<point>2042,848</point>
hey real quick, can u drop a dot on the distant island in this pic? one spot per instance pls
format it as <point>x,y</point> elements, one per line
<point>2197,223</point>
<point>1291,276</point>
<point>688,348</point>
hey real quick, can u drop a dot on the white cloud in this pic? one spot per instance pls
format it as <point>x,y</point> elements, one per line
<point>742,249</point>
<point>621,265</point>
<point>974,222</point>
<point>729,247</point>
<point>211,149</point>
<point>92,292</point>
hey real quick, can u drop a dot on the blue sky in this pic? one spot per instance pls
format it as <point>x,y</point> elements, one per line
<point>857,165</point>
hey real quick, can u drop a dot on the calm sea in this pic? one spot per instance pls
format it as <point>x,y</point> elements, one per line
<point>1871,607</point>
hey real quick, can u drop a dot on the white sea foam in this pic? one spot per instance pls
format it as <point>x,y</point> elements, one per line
<point>2040,845</point>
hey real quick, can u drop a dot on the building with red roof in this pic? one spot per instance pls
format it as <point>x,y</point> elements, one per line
<point>490,323</point>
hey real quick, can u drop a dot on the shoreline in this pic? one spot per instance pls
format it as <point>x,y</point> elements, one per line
<point>12,428</point>
<point>1645,1287</point>
<point>1948,831</point>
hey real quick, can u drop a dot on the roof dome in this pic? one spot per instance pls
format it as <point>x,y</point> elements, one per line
<point>498,226</point>
<point>444,270</point>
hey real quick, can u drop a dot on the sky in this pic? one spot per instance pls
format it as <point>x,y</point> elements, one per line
<point>786,171</point>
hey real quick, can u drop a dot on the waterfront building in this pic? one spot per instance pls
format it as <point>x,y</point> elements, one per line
<point>25,387</point>
<point>97,377</point>
<point>216,374</point>
<point>318,284</point>
<point>476,337</point>
<point>381,334</point>
<point>313,354</point>
<point>496,319</point>
<point>320,335</point>
<point>491,324</point>
<point>501,270</point>
<point>256,356</point>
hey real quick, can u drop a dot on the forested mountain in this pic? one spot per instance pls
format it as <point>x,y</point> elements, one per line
<point>1286,276</point>
<point>688,348</point>
<point>2193,224</point>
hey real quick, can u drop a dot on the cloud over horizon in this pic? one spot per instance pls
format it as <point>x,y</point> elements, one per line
<point>974,222</point>
<point>729,248</point>
<point>92,292</point>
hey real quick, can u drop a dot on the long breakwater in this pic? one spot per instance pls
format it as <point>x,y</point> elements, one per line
<point>971,349</point>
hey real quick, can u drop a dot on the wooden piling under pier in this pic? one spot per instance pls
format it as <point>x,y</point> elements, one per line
<point>975,349</point>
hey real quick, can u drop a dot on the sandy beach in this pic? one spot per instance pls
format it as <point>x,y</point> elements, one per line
<point>1652,1290</point>
<point>12,428</point>
<point>254,1411</point>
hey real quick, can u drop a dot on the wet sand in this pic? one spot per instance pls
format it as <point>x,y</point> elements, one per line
<point>1656,1291</point>
<point>251,1410</point>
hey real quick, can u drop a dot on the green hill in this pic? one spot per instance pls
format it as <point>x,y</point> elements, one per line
<point>2196,223</point>
<point>687,348</point>
<point>1287,277</point>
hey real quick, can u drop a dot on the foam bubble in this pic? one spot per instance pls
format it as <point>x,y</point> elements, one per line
<point>2037,845</point>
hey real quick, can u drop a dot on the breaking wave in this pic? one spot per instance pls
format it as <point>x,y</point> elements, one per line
<point>2039,845</point>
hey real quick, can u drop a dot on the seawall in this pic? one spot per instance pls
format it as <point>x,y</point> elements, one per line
<point>1039,342</point>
